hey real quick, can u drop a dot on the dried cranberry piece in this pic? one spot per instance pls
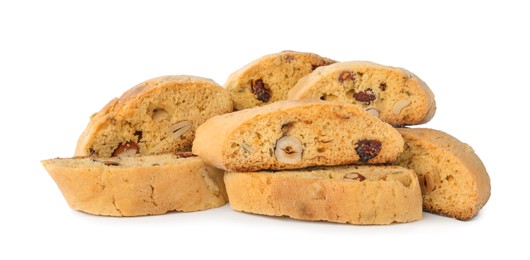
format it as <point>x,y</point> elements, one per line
<point>367,149</point>
<point>364,96</point>
<point>288,58</point>
<point>138,134</point>
<point>184,154</point>
<point>320,63</point>
<point>261,92</point>
<point>346,75</point>
<point>382,86</point>
<point>353,176</point>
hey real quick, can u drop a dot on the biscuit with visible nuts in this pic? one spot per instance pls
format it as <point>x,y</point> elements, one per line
<point>269,78</point>
<point>155,117</point>
<point>137,186</point>
<point>395,95</point>
<point>296,134</point>
<point>453,179</point>
<point>363,195</point>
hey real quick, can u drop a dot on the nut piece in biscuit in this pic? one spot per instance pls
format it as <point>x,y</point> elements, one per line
<point>288,150</point>
<point>429,182</point>
<point>398,106</point>
<point>178,129</point>
<point>107,162</point>
<point>373,111</point>
<point>160,114</point>
<point>126,149</point>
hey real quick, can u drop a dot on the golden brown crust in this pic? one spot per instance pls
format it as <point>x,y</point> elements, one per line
<point>454,180</point>
<point>146,113</point>
<point>385,194</point>
<point>138,186</point>
<point>330,134</point>
<point>279,72</point>
<point>395,95</point>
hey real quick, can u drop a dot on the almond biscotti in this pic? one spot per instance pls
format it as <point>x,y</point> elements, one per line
<point>453,180</point>
<point>269,78</point>
<point>366,195</point>
<point>155,117</point>
<point>137,186</point>
<point>395,95</point>
<point>296,134</point>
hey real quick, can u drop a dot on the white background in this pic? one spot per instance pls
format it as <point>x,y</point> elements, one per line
<point>61,61</point>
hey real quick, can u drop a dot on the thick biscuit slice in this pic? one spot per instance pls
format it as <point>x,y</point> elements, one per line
<point>395,95</point>
<point>269,78</point>
<point>155,117</point>
<point>137,186</point>
<point>364,195</point>
<point>296,134</point>
<point>452,177</point>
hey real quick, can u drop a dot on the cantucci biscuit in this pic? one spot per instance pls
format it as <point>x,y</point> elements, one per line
<point>395,95</point>
<point>137,186</point>
<point>155,117</point>
<point>365,195</point>
<point>269,78</point>
<point>296,134</point>
<point>453,179</point>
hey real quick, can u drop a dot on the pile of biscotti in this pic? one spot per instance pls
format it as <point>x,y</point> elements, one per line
<point>290,134</point>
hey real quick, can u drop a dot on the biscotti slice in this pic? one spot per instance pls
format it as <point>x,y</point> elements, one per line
<point>366,195</point>
<point>453,180</point>
<point>296,134</point>
<point>155,117</point>
<point>269,78</point>
<point>395,95</point>
<point>137,186</point>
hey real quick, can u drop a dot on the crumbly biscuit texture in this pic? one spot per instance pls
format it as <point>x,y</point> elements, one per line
<point>296,134</point>
<point>137,186</point>
<point>364,195</point>
<point>155,117</point>
<point>453,179</point>
<point>395,95</point>
<point>269,78</point>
